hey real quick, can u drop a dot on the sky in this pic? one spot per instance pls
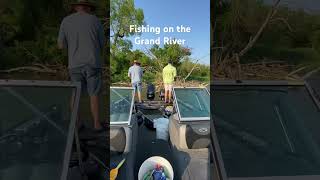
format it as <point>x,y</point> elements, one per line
<point>195,14</point>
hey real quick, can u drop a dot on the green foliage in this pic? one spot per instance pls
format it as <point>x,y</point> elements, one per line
<point>316,40</point>
<point>174,52</point>
<point>238,21</point>
<point>291,35</point>
<point>291,55</point>
<point>123,60</point>
<point>153,65</point>
<point>200,73</point>
<point>29,30</point>
<point>123,13</point>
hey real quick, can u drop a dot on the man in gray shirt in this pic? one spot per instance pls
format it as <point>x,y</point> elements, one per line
<point>135,73</point>
<point>82,34</point>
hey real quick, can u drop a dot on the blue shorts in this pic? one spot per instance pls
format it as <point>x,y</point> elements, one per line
<point>90,78</point>
<point>137,86</point>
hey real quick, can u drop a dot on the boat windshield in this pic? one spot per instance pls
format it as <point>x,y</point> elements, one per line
<point>192,103</point>
<point>267,131</point>
<point>121,104</point>
<point>35,126</point>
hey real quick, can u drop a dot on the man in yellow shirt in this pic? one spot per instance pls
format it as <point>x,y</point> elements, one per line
<point>169,73</point>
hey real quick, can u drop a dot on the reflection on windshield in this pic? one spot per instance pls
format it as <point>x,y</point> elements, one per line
<point>193,102</point>
<point>267,132</point>
<point>33,122</point>
<point>120,104</point>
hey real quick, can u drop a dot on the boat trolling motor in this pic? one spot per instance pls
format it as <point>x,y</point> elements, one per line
<point>151,91</point>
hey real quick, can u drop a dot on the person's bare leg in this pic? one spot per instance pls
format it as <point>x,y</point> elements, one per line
<point>136,97</point>
<point>94,102</point>
<point>139,96</point>
<point>165,95</point>
<point>170,94</point>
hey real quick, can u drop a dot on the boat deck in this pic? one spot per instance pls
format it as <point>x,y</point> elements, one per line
<point>148,145</point>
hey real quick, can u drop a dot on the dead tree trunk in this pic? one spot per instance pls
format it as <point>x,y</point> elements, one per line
<point>253,40</point>
<point>270,15</point>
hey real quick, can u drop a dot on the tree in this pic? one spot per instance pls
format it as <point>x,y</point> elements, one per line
<point>239,28</point>
<point>123,14</point>
<point>29,29</point>
<point>174,52</point>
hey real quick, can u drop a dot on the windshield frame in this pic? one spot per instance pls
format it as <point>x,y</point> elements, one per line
<point>217,154</point>
<point>74,112</point>
<point>176,105</point>
<point>131,107</point>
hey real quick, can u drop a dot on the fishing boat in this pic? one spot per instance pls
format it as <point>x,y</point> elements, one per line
<point>257,130</point>
<point>132,137</point>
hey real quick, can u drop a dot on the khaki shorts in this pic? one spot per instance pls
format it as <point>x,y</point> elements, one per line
<point>168,87</point>
<point>90,78</point>
<point>137,86</point>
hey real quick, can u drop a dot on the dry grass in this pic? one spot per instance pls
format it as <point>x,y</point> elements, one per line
<point>276,70</point>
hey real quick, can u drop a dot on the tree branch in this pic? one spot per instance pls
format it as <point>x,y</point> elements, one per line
<point>195,65</point>
<point>271,13</point>
<point>29,68</point>
<point>285,22</point>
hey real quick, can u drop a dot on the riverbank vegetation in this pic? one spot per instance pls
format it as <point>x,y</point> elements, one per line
<point>28,35</point>
<point>28,42</point>
<point>123,14</point>
<point>253,39</point>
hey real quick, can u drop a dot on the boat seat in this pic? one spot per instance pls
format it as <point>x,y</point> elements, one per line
<point>189,135</point>
<point>192,164</point>
<point>198,136</point>
<point>122,146</point>
<point>123,140</point>
<point>118,140</point>
<point>190,142</point>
